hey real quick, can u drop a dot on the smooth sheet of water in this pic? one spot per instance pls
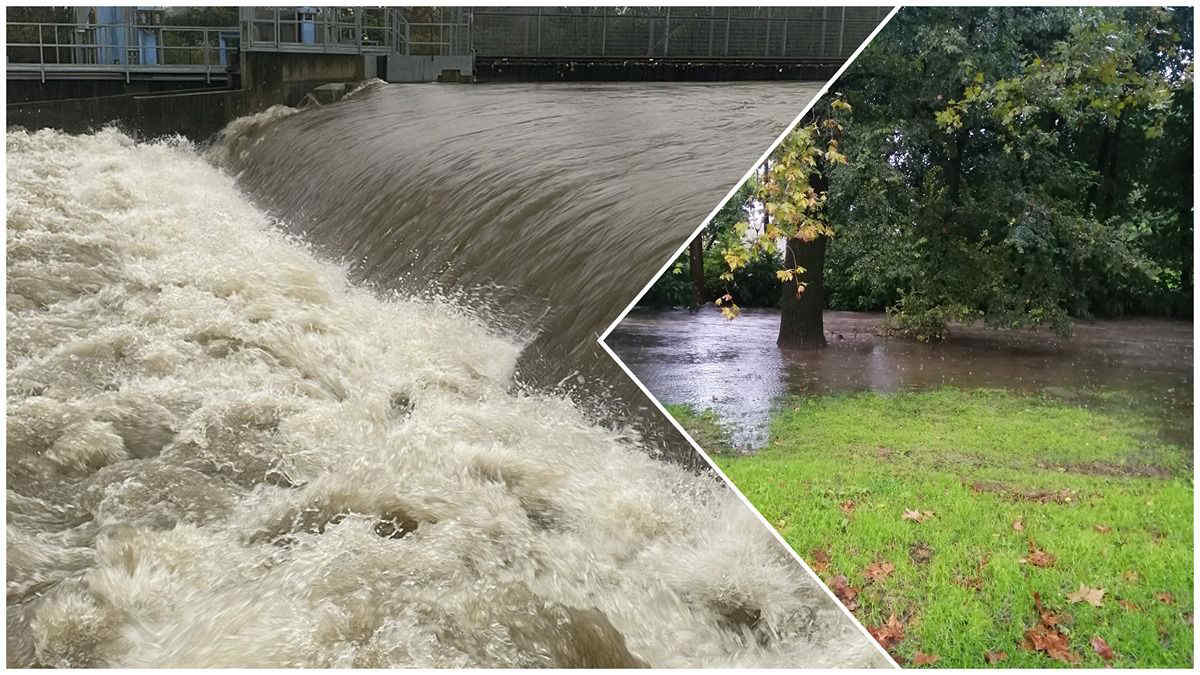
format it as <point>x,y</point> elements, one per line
<point>224,451</point>
<point>550,206</point>
<point>734,367</point>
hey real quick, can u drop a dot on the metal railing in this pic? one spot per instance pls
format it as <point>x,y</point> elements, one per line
<point>799,33</point>
<point>342,30</point>
<point>80,48</point>
<point>433,38</point>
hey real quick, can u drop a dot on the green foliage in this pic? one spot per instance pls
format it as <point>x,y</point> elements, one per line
<point>1019,165</point>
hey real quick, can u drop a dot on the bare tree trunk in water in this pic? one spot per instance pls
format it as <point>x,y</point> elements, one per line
<point>696,257</point>
<point>801,324</point>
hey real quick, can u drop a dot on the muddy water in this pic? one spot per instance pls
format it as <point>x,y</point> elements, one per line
<point>223,449</point>
<point>734,367</point>
<point>546,207</point>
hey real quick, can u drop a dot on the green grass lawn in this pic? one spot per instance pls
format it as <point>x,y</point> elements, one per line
<point>1094,489</point>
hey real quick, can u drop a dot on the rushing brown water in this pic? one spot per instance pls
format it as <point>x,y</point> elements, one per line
<point>702,359</point>
<point>224,450</point>
<point>546,207</point>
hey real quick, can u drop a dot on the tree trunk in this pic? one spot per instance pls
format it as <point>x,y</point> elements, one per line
<point>696,258</point>
<point>801,324</point>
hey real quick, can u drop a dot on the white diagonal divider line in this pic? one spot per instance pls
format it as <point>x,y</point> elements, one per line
<point>762,158</point>
<point>670,418</point>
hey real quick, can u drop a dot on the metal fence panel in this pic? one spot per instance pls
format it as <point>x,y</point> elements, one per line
<point>822,33</point>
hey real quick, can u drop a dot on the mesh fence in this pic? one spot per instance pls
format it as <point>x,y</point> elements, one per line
<point>678,32</point>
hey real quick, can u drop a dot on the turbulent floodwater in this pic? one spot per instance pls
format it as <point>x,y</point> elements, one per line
<point>223,451</point>
<point>735,368</point>
<point>549,205</point>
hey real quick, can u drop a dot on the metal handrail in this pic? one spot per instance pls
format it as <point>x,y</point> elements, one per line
<point>83,52</point>
<point>331,32</point>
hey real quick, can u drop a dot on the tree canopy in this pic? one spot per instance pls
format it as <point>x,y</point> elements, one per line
<point>1017,165</point>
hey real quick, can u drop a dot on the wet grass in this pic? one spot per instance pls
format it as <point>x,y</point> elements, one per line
<point>705,428</point>
<point>1095,489</point>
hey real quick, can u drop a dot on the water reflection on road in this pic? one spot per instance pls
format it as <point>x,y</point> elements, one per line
<point>734,367</point>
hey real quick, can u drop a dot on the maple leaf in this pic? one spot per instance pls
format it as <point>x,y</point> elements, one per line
<point>923,659</point>
<point>994,657</point>
<point>1102,648</point>
<point>1052,642</point>
<point>1103,529</point>
<point>889,634</point>
<point>916,516</point>
<point>818,560</point>
<point>848,594</point>
<point>1092,596</point>
<point>1165,598</point>
<point>1044,637</point>
<point>878,571</point>
<point>1017,527</point>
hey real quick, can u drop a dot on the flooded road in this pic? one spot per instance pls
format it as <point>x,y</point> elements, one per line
<point>734,367</point>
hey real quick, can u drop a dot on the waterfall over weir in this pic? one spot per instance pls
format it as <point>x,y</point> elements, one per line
<point>290,401</point>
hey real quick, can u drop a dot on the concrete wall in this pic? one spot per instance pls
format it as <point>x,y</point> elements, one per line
<point>36,90</point>
<point>285,77</point>
<point>196,115</point>
<point>267,79</point>
<point>427,68</point>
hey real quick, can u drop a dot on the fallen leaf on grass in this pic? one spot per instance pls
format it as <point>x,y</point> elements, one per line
<point>818,559</point>
<point>916,516</point>
<point>920,553</point>
<point>1018,526</point>
<point>848,594</point>
<point>847,507</point>
<point>994,657</point>
<point>1044,637</point>
<point>1092,596</point>
<point>1103,529</point>
<point>1165,598</point>
<point>889,634</point>
<point>1102,648</point>
<point>1052,642</point>
<point>1037,557</point>
<point>923,659</point>
<point>1129,605</point>
<point>878,571</point>
<point>1130,576</point>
